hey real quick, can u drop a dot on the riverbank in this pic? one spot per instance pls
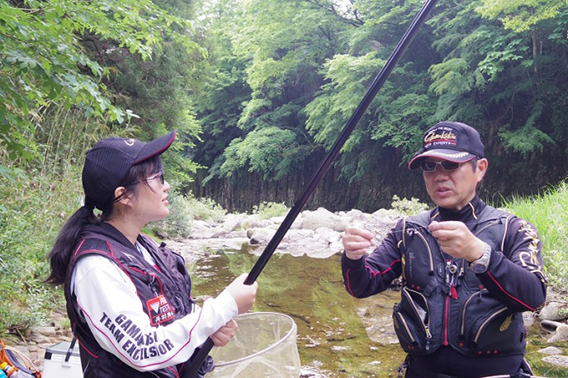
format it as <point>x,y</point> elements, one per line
<point>317,235</point>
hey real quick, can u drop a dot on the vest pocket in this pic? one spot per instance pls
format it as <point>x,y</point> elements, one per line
<point>498,332</point>
<point>412,322</point>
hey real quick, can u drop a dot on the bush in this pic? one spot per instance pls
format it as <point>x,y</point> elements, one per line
<point>267,210</point>
<point>183,211</point>
<point>407,207</point>
<point>178,222</point>
<point>206,209</point>
<point>33,211</point>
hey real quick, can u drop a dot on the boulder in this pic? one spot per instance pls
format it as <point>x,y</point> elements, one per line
<point>556,311</point>
<point>323,218</point>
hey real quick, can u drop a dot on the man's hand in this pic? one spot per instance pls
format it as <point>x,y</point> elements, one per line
<point>225,333</point>
<point>457,240</point>
<point>356,241</point>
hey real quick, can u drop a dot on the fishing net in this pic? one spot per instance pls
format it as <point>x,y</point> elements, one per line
<point>264,346</point>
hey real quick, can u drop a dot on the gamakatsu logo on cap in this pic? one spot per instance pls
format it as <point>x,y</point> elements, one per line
<point>129,142</point>
<point>440,137</point>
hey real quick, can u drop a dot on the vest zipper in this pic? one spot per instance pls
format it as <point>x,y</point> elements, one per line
<point>487,321</point>
<point>429,252</point>
<point>403,321</point>
<point>466,303</point>
<point>425,325</point>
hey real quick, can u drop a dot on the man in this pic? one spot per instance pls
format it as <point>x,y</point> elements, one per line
<point>468,270</point>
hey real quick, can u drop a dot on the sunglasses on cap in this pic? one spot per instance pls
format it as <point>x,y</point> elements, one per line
<point>430,166</point>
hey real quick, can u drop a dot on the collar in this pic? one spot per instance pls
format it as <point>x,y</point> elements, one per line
<point>468,214</point>
<point>109,231</point>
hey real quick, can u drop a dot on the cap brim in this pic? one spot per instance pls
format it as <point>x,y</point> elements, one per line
<point>450,155</point>
<point>155,147</point>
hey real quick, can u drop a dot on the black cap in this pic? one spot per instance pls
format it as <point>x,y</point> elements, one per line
<point>453,141</point>
<point>107,164</point>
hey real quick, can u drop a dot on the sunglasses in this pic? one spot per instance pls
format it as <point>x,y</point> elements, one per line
<point>159,176</point>
<point>430,166</point>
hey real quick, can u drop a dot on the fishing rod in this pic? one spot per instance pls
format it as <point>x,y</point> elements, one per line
<point>324,167</point>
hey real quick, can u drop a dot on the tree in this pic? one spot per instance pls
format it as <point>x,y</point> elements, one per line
<point>43,63</point>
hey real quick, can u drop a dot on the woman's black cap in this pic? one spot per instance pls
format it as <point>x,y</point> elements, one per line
<point>108,162</point>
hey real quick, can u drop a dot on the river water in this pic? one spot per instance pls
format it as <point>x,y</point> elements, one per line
<point>334,337</point>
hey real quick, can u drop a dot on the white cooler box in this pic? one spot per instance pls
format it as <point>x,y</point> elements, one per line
<point>55,366</point>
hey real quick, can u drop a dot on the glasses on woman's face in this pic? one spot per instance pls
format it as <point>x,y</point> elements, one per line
<point>430,166</point>
<point>157,176</point>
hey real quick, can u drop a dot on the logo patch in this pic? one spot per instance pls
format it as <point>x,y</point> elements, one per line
<point>440,136</point>
<point>159,310</point>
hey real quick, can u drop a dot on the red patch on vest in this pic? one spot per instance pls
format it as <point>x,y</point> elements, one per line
<point>159,310</point>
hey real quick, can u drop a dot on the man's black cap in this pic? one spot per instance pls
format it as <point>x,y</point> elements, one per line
<point>107,164</point>
<point>453,141</point>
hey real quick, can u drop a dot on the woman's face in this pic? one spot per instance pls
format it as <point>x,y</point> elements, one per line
<point>151,201</point>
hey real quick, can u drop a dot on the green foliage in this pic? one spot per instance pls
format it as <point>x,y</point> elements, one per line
<point>43,64</point>
<point>183,211</point>
<point>267,210</point>
<point>520,15</point>
<point>206,209</point>
<point>33,212</point>
<point>178,222</point>
<point>528,138</point>
<point>407,207</point>
<point>270,150</point>
<point>548,212</point>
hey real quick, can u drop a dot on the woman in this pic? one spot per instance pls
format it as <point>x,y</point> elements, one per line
<point>129,299</point>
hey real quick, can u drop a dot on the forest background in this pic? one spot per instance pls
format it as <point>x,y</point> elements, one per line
<point>258,91</point>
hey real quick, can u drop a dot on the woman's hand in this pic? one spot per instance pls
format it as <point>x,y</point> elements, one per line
<point>225,333</point>
<point>244,295</point>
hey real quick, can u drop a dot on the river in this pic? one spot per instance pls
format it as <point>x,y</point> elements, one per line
<point>334,337</point>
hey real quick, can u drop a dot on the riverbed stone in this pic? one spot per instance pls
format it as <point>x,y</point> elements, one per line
<point>554,311</point>
<point>557,360</point>
<point>550,351</point>
<point>323,218</point>
<point>560,335</point>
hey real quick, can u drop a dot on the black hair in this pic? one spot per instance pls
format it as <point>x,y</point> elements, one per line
<point>473,163</point>
<point>68,237</point>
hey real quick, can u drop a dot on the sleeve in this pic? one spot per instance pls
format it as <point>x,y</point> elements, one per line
<point>373,274</point>
<point>108,300</point>
<point>515,275</point>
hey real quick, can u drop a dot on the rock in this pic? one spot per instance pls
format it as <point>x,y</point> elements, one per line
<point>323,218</point>
<point>560,335</point>
<point>529,318</point>
<point>557,360</point>
<point>260,235</point>
<point>554,311</point>
<point>550,351</point>
<point>44,331</point>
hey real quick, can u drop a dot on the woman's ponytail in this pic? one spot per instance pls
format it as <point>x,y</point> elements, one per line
<point>66,242</point>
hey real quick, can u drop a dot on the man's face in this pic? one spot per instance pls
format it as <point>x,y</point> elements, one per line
<point>454,189</point>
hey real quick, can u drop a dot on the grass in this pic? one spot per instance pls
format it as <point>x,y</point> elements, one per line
<point>548,212</point>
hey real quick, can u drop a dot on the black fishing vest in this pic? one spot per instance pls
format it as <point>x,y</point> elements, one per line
<point>168,288</point>
<point>444,303</point>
